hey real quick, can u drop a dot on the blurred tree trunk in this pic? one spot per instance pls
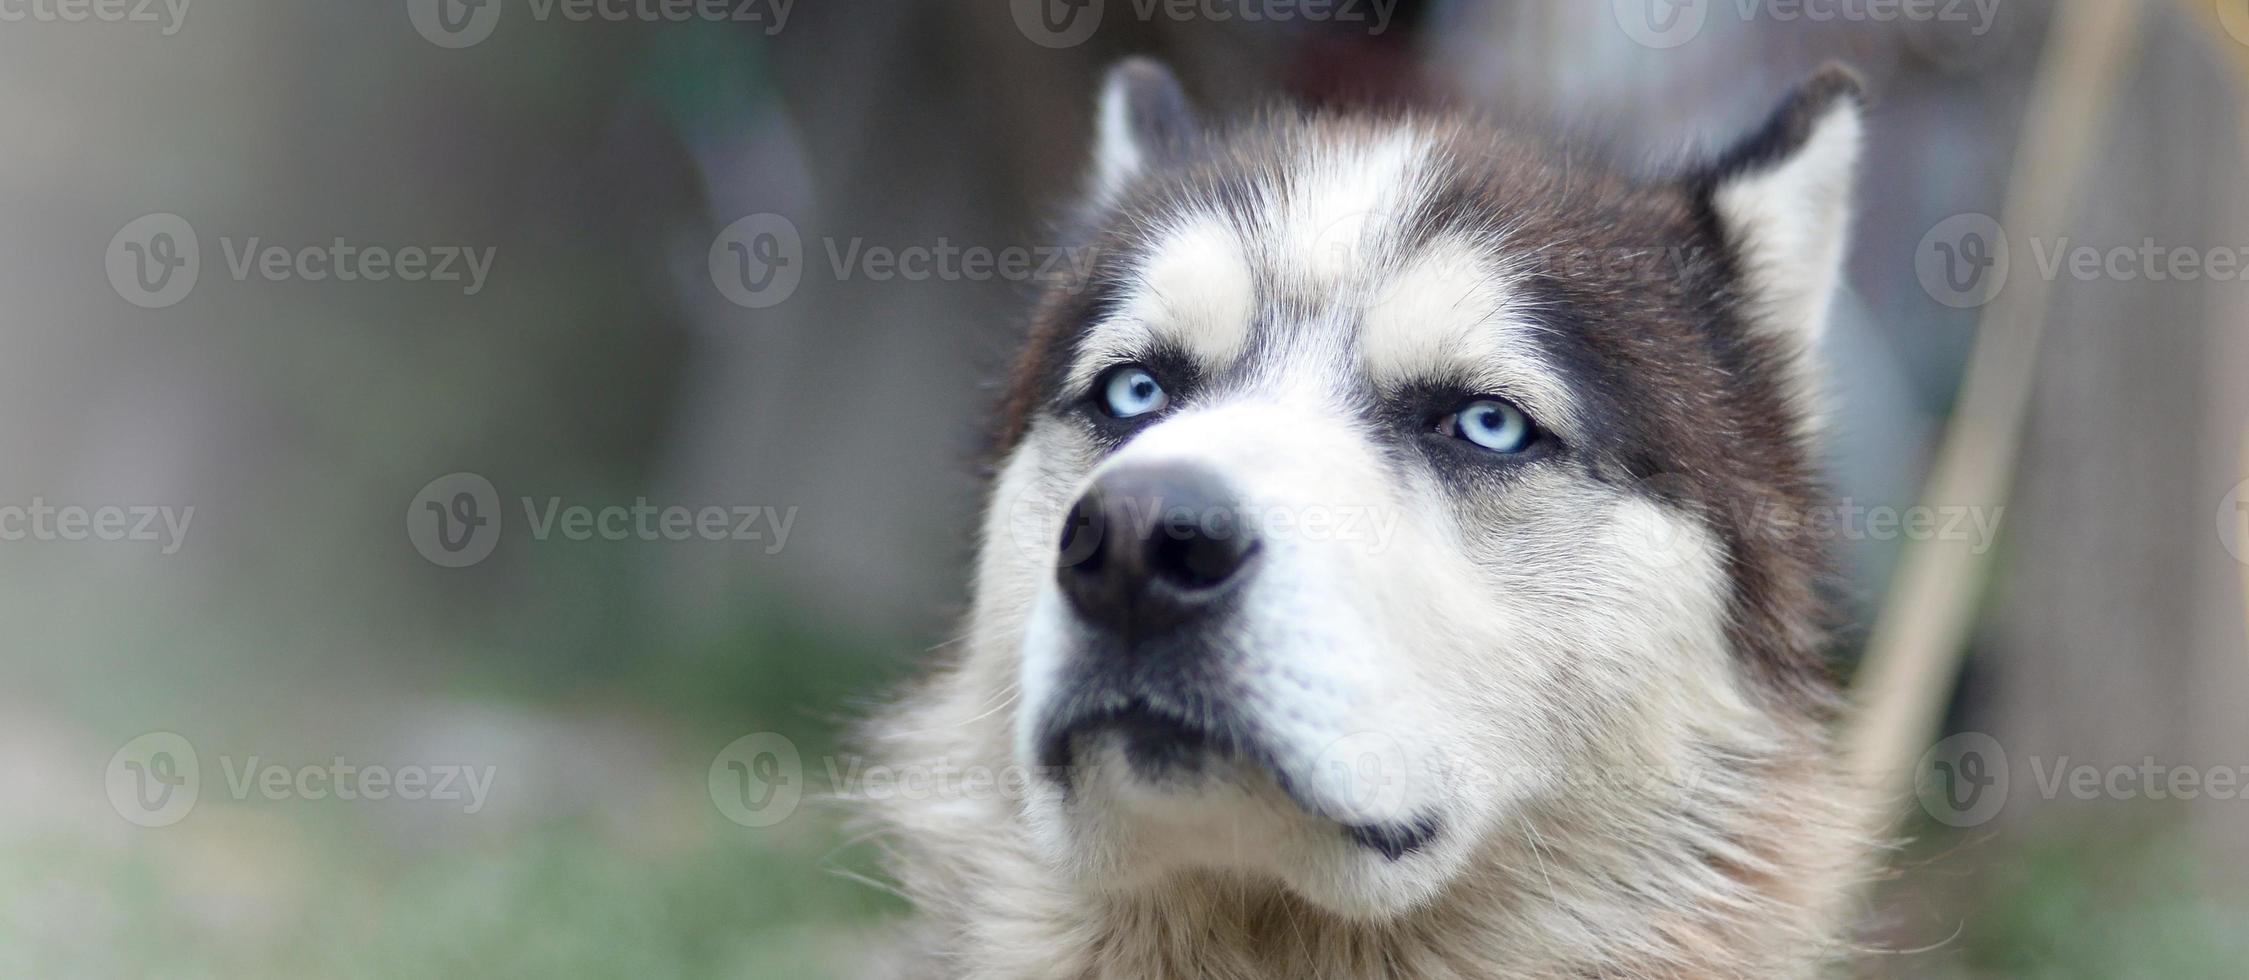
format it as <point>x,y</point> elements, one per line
<point>2116,634</point>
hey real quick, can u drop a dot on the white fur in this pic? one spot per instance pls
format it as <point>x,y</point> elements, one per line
<point>1194,290</point>
<point>1546,670</point>
<point>1791,222</point>
<point>1450,313</point>
<point>1341,212</point>
<point>1117,155</point>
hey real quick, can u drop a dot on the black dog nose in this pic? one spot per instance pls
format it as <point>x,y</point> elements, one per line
<point>1149,547</point>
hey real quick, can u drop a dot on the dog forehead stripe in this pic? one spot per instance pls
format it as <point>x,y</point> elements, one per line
<point>1346,202</point>
<point>1193,290</point>
<point>1454,313</point>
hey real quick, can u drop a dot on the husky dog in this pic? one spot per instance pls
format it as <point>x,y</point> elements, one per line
<point>1379,578</point>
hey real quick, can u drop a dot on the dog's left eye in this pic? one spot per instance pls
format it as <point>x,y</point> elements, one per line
<point>1491,424</point>
<point>1130,391</point>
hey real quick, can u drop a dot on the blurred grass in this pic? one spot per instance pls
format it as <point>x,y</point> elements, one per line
<point>2121,895</point>
<point>555,903</point>
<point>641,878</point>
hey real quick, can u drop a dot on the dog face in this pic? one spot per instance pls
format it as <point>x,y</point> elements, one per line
<point>1381,480</point>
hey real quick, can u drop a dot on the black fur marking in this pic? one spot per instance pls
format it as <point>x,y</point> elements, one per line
<point>1395,840</point>
<point>1790,125</point>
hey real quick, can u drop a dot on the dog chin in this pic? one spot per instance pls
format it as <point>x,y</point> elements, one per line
<point>1144,806</point>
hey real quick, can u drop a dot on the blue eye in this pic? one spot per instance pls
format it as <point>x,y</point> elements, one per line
<point>1491,424</point>
<point>1130,392</point>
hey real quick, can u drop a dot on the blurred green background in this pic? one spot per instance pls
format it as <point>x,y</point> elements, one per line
<point>598,680</point>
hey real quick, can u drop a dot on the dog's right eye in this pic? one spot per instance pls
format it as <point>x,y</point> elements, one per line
<point>1493,424</point>
<point>1130,391</point>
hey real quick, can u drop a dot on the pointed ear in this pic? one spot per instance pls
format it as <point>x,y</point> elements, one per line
<point>1783,200</point>
<point>1144,122</point>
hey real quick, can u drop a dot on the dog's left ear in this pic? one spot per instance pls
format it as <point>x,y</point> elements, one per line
<point>1782,198</point>
<point>1145,121</point>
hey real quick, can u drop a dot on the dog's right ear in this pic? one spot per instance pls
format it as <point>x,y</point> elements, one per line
<point>1145,122</point>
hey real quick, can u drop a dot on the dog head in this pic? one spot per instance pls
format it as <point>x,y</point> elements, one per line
<point>1378,477</point>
